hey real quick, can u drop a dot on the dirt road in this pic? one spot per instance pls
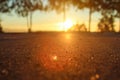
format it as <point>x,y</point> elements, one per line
<point>60,56</point>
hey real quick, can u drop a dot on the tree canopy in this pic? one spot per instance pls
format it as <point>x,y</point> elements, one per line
<point>4,6</point>
<point>23,6</point>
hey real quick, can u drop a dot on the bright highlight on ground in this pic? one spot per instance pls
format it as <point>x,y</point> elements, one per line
<point>55,58</point>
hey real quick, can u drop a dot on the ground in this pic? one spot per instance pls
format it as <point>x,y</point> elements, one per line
<point>60,56</point>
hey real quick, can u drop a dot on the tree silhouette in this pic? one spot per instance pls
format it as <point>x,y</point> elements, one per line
<point>4,6</point>
<point>106,24</point>
<point>59,6</point>
<point>78,27</point>
<point>111,7</point>
<point>25,8</point>
<point>1,31</point>
<point>111,22</point>
<point>92,5</point>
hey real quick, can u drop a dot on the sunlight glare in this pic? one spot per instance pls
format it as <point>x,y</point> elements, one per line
<point>67,24</point>
<point>64,26</point>
<point>68,36</point>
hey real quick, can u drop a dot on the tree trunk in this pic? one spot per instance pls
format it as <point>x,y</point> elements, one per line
<point>28,22</point>
<point>90,17</point>
<point>64,15</point>
<point>30,29</point>
<point>0,20</point>
<point>119,24</point>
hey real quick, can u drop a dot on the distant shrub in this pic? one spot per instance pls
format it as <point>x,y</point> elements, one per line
<point>1,30</point>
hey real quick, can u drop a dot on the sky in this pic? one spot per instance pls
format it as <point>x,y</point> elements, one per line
<point>50,21</point>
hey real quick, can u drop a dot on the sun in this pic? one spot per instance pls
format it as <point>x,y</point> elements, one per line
<point>67,24</point>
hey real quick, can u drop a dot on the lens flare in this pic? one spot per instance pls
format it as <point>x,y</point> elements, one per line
<point>55,58</point>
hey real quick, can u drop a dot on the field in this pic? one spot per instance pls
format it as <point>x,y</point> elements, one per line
<point>60,56</point>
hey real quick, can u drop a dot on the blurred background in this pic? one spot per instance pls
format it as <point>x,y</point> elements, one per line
<point>59,15</point>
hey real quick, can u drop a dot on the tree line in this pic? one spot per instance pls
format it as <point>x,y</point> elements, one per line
<point>25,8</point>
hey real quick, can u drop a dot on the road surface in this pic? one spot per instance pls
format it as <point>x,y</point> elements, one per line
<point>60,56</point>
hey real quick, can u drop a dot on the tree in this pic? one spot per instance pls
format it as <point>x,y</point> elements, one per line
<point>25,8</point>
<point>59,6</point>
<point>1,31</point>
<point>4,6</point>
<point>78,27</point>
<point>106,24</point>
<point>92,5</point>
<point>118,12</point>
<point>111,7</point>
